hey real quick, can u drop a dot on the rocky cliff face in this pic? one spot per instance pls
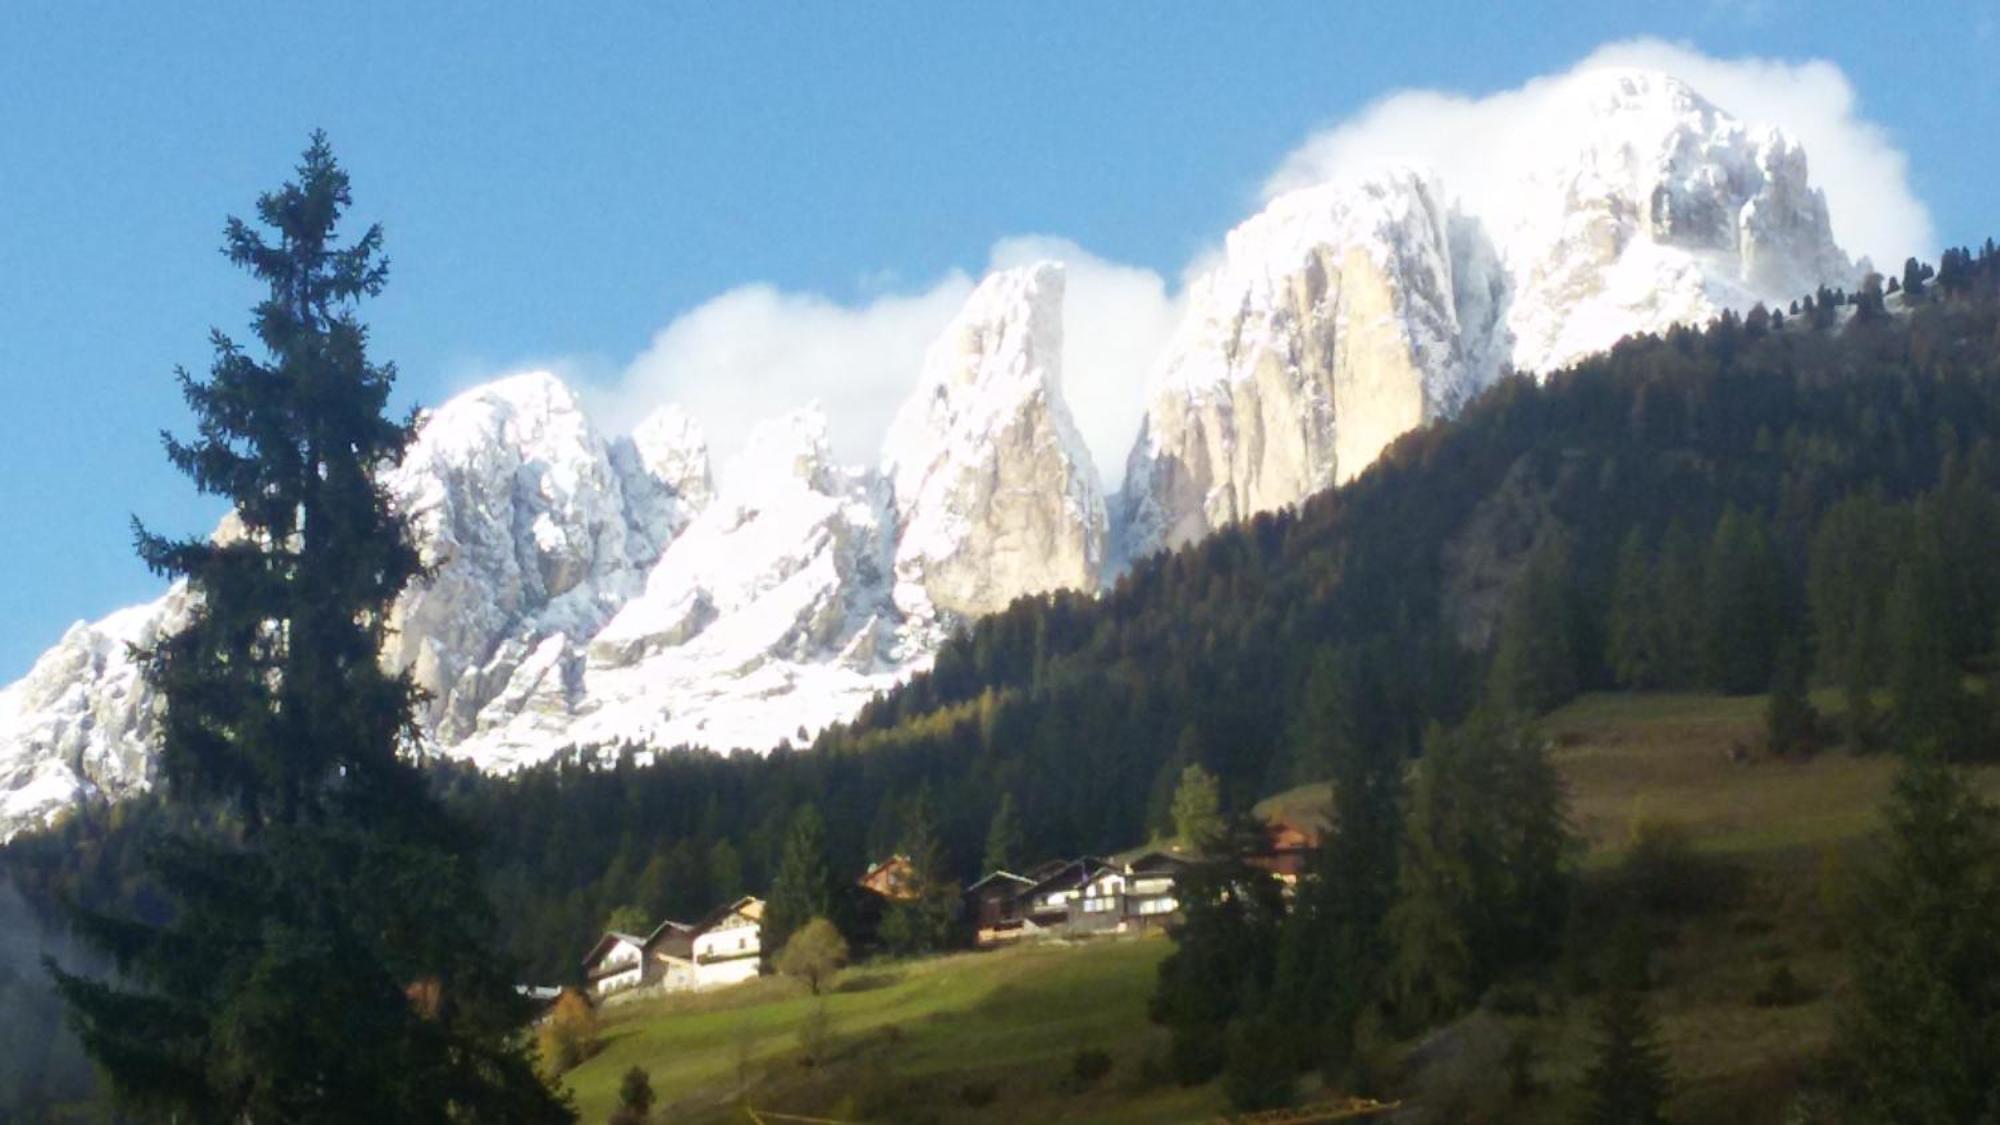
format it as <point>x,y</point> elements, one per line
<point>1347,313</point>
<point>591,589</point>
<point>1337,320</point>
<point>994,494</point>
<point>1647,206</point>
<point>80,725</point>
<point>537,529</point>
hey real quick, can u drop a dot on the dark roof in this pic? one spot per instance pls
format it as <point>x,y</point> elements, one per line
<point>663,927</point>
<point>675,939</point>
<point>709,919</point>
<point>1158,861</point>
<point>1073,873</point>
<point>1044,869</point>
<point>997,876</point>
<point>597,950</point>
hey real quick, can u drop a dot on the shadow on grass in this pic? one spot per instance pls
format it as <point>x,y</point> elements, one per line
<point>868,982</point>
<point>605,1040</point>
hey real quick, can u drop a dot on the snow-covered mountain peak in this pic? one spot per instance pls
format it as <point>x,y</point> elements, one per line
<point>671,447</point>
<point>994,490</point>
<point>1003,347</point>
<point>781,455</point>
<point>1610,91</point>
<point>1351,208</point>
<point>1339,317</point>
<point>533,412</point>
<point>1628,202</point>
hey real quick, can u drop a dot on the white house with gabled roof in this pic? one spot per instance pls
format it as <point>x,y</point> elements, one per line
<point>617,962</point>
<point>728,946</point>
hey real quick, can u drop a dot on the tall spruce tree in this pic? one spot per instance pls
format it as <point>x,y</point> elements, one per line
<point>1634,644</point>
<point>1197,808</point>
<point>1742,606</point>
<point>327,954</point>
<point>1222,966</point>
<point>1679,602</point>
<point>1484,873</point>
<point>1931,711</point>
<point>1628,1082</point>
<point>1332,950</point>
<point>1920,1027</point>
<point>1537,652</point>
<point>1850,570</point>
<point>804,888</point>
<point>1005,846</point>
<point>924,921</point>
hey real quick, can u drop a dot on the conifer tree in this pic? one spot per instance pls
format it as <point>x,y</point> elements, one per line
<point>1197,808</point>
<point>328,954</point>
<point>1921,1025</point>
<point>1537,653</point>
<point>1851,567</point>
<point>1223,961</point>
<point>1868,304</point>
<point>725,871</point>
<point>1332,949</point>
<point>1430,926</point>
<point>1915,274</point>
<point>1484,882</point>
<point>804,888</point>
<point>1635,624</point>
<point>1679,604</point>
<point>1256,1072</point>
<point>1742,605</point>
<point>635,1098</point>
<point>1928,699</point>
<point>1005,846</point>
<point>1628,1081</point>
<point>925,921</point>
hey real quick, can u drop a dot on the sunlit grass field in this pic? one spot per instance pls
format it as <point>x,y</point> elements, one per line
<point>973,1036</point>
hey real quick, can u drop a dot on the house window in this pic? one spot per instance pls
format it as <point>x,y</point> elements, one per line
<point>1099,905</point>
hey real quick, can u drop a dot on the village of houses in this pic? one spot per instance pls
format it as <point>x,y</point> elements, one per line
<point>1060,899</point>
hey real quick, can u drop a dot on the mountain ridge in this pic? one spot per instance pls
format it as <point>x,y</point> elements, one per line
<point>599,589</point>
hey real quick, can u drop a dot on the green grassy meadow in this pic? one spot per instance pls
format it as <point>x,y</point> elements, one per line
<point>994,1036</point>
<point>986,1036</point>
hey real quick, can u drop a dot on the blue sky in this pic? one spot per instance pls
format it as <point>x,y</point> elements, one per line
<point>560,183</point>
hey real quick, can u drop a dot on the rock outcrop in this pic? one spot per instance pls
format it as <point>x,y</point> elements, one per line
<point>994,493</point>
<point>1349,312</point>
<point>1336,321</point>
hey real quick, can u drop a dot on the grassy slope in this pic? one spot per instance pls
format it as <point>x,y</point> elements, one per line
<point>917,1032</point>
<point>921,1032</point>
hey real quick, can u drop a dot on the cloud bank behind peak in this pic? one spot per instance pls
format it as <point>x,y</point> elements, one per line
<point>1866,178</point>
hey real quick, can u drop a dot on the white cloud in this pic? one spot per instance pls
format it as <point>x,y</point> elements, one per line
<point>756,351</point>
<point>1115,320</point>
<point>1854,160</point>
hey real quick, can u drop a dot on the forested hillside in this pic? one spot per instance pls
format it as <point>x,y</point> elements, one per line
<point>1781,497</point>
